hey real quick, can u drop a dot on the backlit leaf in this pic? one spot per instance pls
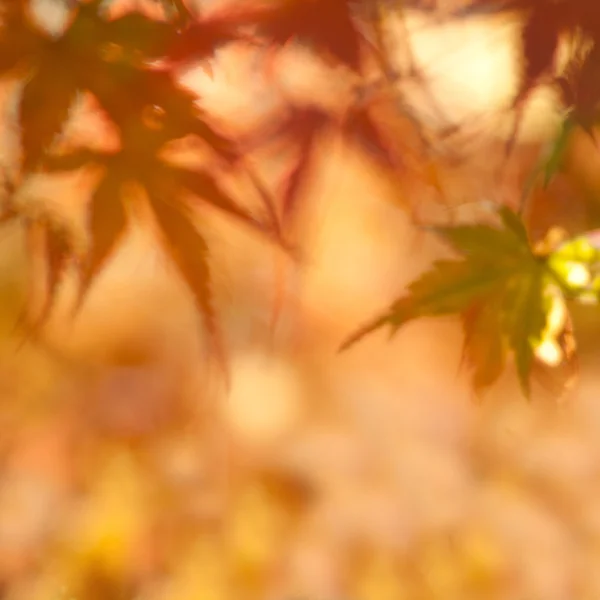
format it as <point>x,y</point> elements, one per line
<point>448,287</point>
<point>524,319</point>
<point>553,161</point>
<point>188,250</point>
<point>107,223</point>
<point>480,242</point>
<point>484,346</point>
<point>204,187</point>
<point>58,249</point>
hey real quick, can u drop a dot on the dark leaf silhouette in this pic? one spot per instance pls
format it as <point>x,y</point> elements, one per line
<point>43,114</point>
<point>525,321</point>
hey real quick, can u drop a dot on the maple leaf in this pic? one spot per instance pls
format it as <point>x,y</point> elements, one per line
<point>201,38</point>
<point>189,251</point>
<point>54,244</point>
<point>139,162</point>
<point>484,349</point>
<point>524,320</point>
<point>91,50</point>
<point>107,224</point>
<point>20,40</point>
<point>498,288</point>
<point>484,243</point>
<point>40,124</point>
<point>311,22</point>
<point>50,90</point>
<point>447,288</point>
<point>300,129</point>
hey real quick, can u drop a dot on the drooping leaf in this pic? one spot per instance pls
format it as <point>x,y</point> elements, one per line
<point>55,243</point>
<point>524,319</point>
<point>188,250</point>
<point>107,223</point>
<point>484,347</point>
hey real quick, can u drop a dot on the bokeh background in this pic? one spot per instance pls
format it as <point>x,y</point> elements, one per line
<point>128,471</point>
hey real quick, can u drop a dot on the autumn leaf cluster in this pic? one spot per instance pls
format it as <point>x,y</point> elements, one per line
<point>503,287</point>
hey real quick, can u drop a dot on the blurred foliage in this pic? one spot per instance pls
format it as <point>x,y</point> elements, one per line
<point>113,487</point>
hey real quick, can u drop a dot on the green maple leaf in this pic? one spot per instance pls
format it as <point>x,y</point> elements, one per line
<point>497,288</point>
<point>447,288</point>
<point>485,243</point>
<point>524,318</point>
